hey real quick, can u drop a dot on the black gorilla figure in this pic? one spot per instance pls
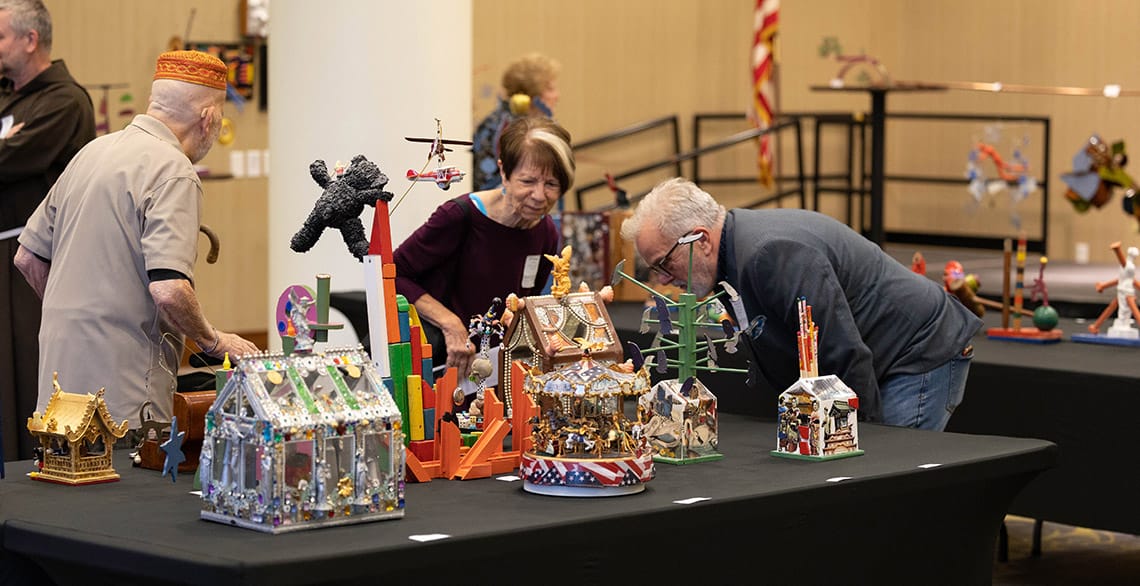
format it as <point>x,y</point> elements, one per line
<point>342,203</point>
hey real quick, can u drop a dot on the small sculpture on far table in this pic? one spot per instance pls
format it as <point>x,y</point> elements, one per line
<point>1123,331</point>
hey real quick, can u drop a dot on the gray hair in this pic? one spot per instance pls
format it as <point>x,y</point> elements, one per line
<point>30,15</point>
<point>675,206</point>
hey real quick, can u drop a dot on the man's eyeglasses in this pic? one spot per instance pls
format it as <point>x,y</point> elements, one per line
<point>659,266</point>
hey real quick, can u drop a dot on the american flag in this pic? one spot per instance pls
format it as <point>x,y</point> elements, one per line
<point>765,20</point>
<point>587,472</point>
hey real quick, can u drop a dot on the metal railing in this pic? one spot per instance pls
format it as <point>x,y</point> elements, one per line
<point>853,180</point>
<point>782,122</point>
<point>694,155</point>
<point>623,133</point>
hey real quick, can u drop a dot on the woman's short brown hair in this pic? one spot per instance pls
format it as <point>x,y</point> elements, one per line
<point>544,142</point>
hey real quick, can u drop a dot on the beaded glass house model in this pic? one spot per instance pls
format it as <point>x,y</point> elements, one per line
<point>303,441</point>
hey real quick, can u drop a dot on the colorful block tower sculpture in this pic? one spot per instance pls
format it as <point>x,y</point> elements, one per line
<point>303,438</point>
<point>818,415</point>
<point>1123,331</point>
<point>76,435</point>
<point>580,442</point>
<point>1046,332</point>
<point>431,445</point>
<point>679,416</point>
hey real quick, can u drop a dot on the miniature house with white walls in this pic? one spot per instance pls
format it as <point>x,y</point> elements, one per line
<point>818,415</point>
<point>301,441</point>
<point>680,421</point>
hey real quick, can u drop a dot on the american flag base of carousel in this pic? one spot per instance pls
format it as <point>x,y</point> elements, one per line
<point>557,476</point>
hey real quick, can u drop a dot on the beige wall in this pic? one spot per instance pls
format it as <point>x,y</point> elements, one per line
<point>629,61</point>
<point>116,42</point>
<point>638,59</point>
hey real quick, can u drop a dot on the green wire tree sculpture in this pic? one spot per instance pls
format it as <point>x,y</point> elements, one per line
<point>679,416</point>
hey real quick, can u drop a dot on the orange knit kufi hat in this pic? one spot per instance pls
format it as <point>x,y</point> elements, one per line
<point>192,67</point>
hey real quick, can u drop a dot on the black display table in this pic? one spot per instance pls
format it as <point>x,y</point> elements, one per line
<point>1079,396</point>
<point>1072,394</point>
<point>894,520</point>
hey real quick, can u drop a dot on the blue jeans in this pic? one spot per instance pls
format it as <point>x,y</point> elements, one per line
<point>926,401</point>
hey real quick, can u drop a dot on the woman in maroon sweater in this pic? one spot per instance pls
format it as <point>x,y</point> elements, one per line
<point>488,244</point>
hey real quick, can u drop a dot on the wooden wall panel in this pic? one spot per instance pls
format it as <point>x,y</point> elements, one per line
<point>638,59</point>
<point>626,62</point>
<point>117,42</point>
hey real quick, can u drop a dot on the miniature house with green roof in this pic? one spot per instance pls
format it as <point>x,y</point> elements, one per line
<point>303,440</point>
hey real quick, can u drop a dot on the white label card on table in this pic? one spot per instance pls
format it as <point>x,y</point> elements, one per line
<point>428,537</point>
<point>839,479</point>
<point>691,500</point>
<point>508,478</point>
<point>930,465</point>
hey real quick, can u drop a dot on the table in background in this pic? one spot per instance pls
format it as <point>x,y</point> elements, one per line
<point>1082,397</point>
<point>877,233</point>
<point>891,521</point>
<point>1078,396</point>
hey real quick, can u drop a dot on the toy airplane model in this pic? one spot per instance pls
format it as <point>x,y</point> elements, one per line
<point>443,176</point>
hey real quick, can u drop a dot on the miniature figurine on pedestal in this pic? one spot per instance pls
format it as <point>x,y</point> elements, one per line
<point>303,316</point>
<point>76,435</point>
<point>484,327</point>
<point>1045,332</point>
<point>1045,317</point>
<point>679,416</point>
<point>1123,331</point>
<point>818,415</point>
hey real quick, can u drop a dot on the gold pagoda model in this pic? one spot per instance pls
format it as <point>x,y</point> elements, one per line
<point>77,435</point>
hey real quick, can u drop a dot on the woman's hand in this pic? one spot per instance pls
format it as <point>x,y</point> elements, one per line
<point>460,352</point>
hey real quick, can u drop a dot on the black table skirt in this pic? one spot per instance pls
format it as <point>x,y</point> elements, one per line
<point>892,521</point>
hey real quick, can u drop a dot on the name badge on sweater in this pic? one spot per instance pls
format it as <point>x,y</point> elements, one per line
<point>530,271</point>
